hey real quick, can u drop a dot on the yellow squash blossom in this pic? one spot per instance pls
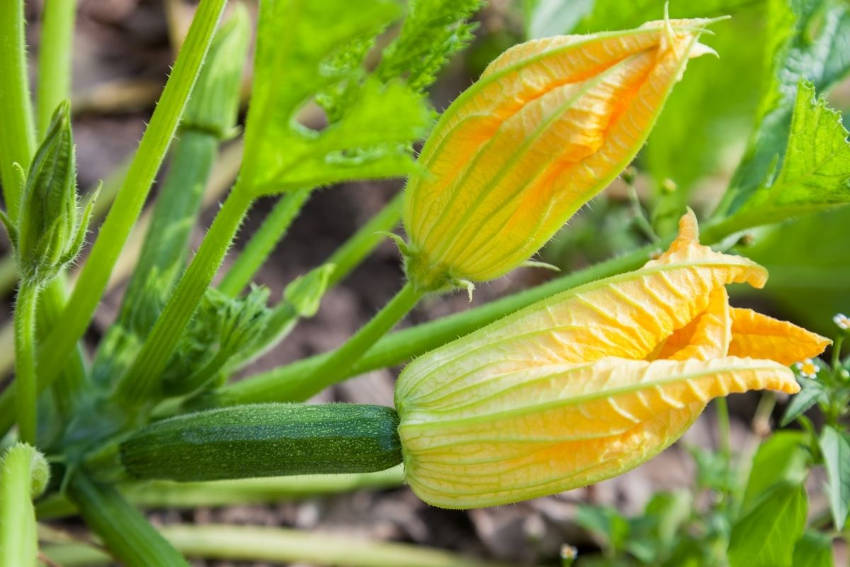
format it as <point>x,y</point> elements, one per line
<point>590,382</point>
<point>548,125</point>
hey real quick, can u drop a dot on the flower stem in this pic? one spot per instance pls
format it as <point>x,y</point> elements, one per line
<point>142,379</point>
<point>263,241</point>
<point>127,534</point>
<point>401,346</point>
<point>23,473</point>
<point>128,203</point>
<point>17,135</point>
<point>336,366</point>
<point>54,58</point>
<point>25,377</point>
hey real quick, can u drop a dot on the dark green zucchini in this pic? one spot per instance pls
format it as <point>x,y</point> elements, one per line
<point>265,440</point>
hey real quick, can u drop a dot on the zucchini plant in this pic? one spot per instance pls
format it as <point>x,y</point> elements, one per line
<point>554,387</point>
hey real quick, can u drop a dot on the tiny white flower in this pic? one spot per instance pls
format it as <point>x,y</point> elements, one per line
<point>807,368</point>
<point>842,320</point>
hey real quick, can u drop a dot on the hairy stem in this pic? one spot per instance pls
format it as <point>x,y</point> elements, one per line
<point>126,533</point>
<point>25,377</point>
<point>54,58</point>
<point>17,135</point>
<point>128,203</point>
<point>142,379</point>
<point>261,244</point>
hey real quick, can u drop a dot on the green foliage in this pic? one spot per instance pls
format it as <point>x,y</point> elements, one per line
<point>782,458</point>
<point>814,549</point>
<point>222,329</point>
<point>321,46</point>
<point>806,40</point>
<point>765,536</point>
<point>433,31</point>
<point>835,447</point>
<point>215,98</point>
<point>815,171</point>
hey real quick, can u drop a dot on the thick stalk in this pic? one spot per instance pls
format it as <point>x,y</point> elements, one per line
<point>19,468</point>
<point>25,385</point>
<point>128,203</point>
<point>142,379</point>
<point>397,348</point>
<point>127,534</point>
<point>279,546</point>
<point>174,216</point>
<point>54,58</point>
<point>261,244</point>
<point>338,363</point>
<point>17,135</point>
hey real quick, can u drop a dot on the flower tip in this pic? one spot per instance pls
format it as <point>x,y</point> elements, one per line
<point>700,49</point>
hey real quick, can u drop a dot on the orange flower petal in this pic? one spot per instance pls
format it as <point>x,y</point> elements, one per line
<point>706,337</point>
<point>549,124</point>
<point>543,432</point>
<point>627,316</point>
<point>758,336</point>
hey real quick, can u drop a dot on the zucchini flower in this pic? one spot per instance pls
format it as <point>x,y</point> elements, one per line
<point>591,382</point>
<point>549,124</point>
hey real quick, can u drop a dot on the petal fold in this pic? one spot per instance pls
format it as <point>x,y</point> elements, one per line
<point>758,336</point>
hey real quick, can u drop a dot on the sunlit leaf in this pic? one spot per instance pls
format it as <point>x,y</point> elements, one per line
<point>835,447</point>
<point>780,458</point>
<point>765,536</point>
<point>814,549</point>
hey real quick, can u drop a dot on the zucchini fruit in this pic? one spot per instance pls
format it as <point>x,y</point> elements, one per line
<point>265,440</point>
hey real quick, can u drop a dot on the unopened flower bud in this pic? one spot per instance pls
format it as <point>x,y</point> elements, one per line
<point>49,232</point>
<point>549,124</point>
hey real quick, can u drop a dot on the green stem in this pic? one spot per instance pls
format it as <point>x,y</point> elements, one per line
<point>255,253</point>
<point>168,494</point>
<point>279,545</point>
<point>127,534</point>
<point>17,135</point>
<point>174,215</point>
<point>128,203</point>
<point>25,384</point>
<point>361,243</point>
<point>54,58</point>
<point>142,379</point>
<point>22,476</point>
<point>401,346</point>
<point>338,363</point>
<point>722,409</point>
<point>69,388</point>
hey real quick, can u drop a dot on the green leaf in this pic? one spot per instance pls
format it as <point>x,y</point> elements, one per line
<point>836,456</point>
<point>814,549</point>
<point>807,259</point>
<point>222,329</point>
<point>672,510</point>
<point>815,172</point>
<point>781,458</point>
<point>432,32</point>
<point>606,524</point>
<point>765,536</point>
<point>811,392</point>
<point>802,36</point>
<point>319,48</point>
<point>616,14</point>
<point>545,18</point>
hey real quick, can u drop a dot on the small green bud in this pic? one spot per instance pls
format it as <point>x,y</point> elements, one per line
<point>215,99</point>
<point>305,292</point>
<point>50,233</point>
